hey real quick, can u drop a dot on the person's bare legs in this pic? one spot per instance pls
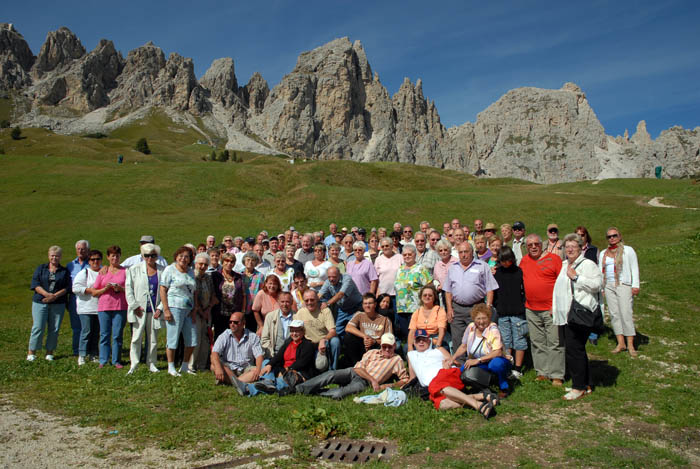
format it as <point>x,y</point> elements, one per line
<point>630,345</point>
<point>519,357</point>
<point>227,374</point>
<point>459,397</point>
<point>247,377</point>
<point>620,344</point>
<point>447,404</point>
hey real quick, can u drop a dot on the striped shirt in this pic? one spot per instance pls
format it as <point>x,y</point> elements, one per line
<point>238,355</point>
<point>378,367</point>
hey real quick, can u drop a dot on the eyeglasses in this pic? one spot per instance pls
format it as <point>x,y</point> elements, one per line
<point>95,259</point>
<point>610,236</point>
<point>235,322</point>
<point>532,245</point>
<point>150,255</point>
<point>553,230</point>
<point>408,231</point>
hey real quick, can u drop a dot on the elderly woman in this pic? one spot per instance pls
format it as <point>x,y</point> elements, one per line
<point>143,297</point>
<point>266,301</point>
<point>373,249</point>
<point>507,234</point>
<point>387,266</point>
<point>620,269</point>
<point>444,250</point>
<point>579,279</point>
<point>110,288</point>
<point>207,299</point>
<point>430,317</point>
<point>179,302</point>
<point>481,250</point>
<point>410,278</point>
<point>334,257</point>
<point>283,272</point>
<point>289,251</point>
<point>553,244</point>
<point>51,283</point>
<point>495,245</point>
<point>362,270</point>
<point>316,270</point>
<point>482,343</point>
<point>252,283</point>
<point>86,306</point>
<point>230,291</point>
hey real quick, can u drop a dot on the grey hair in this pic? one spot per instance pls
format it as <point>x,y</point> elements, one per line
<point>81,242</point>
<point>573,237</point>
<point>420,233</point>
<point>149,248</point>
<point>237,238</point>
<point>443,244</point>
<point>280,255</point>
<point>358,245</point>
<point>334,246</point>
<point>56,249</point>
<point>534,236</point>
<point>203,255</point>
<point>308,236</point>
<point>409,247</point>
<point>251,255</point>
<point>386,239</point>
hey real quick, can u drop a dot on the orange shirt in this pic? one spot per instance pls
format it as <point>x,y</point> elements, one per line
<point>436,319</point>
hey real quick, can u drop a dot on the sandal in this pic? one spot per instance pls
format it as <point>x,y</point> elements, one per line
<point>618,350</point>
<point>486,409</point>
<point>490,396</point>
<point>573,395</point>
<point>633,353</point>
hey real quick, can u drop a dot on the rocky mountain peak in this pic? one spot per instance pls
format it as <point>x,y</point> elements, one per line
<point>220,80</point>
<point>16,59</point>
<point>641,136</point>
<point>60,49</point>
<point>255,93</point>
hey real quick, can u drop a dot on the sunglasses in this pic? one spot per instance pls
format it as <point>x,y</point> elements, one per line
<point>150,255</point>
<point>95,259</point>
<point>235,322</point>
<point>553,230</point>
<point>612,236</point>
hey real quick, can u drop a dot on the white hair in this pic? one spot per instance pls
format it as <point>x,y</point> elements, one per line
<point>358,245</point>
<point>82,242</point>
<point>203,256</point>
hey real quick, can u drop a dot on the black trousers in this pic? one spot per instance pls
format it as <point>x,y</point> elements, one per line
<point>354,348</point>
<point>576,358</point>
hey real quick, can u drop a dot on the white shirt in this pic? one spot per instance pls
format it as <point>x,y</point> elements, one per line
<point>84,302</point>
<point>426,365</point>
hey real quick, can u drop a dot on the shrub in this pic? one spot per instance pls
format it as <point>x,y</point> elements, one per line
<point>4,124</point>
<point>16,133</point>
<point>224,156</point>
<point>2,151</point>
<point>212,156</point>
<point>142,146</point>
<point>96,135</point>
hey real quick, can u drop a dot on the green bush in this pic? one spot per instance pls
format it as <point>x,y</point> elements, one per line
<point>142,146</point>
<point>212,156</point>
<point>4,124</point>
<point>96,135</point>
<point>224,156</point>
<point>16,133</point>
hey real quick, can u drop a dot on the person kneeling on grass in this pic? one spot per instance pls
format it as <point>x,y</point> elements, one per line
<point>237,356</point>
<point>375,369</point>
<point>431,367</point>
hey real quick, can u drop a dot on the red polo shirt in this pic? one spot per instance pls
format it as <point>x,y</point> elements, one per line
<point>539,277</point>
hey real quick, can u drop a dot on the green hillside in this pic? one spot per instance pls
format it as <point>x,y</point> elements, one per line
<point>57,189</point>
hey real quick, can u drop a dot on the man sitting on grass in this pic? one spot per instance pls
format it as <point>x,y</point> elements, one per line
<point>237,356</point>
<point>375,369</point>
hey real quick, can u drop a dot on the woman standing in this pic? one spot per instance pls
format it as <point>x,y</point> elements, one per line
<point>410,278</point>
<point>206,300</point>
<point>620,269</point>
<point>230,290</point>
<point>252,283</point>
<point>289,251</point>
<point>387,266</point>
<point>142,296</point>
<point>51,283</point>
<point>316,270</point>
<point>284,273</point>
<point>579,279</point>
<point>430,316</point>
<point>444,249</point>
<point>177,295</point>
<point>373,247</point>
<point>495,245</point>
<point>86,306</point>
<point>362,270</point>
<point>334,257</point>
<point>266,301</point>
<point>589,251</point>
<point>111,307</point>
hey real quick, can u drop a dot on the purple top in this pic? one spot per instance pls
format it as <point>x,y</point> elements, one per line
<point>469,286</point>
<point>487,255</point>
<point>362,274</point>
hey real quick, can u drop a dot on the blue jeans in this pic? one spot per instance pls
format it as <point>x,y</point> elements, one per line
<point>89,333</point>
<point>182,322</point>
<point>46,316</point>
<point>401,329</point>
<point>513,330</point>
<point>111,333</point>
<point>342,318</point>
<point>501,368</point>
<point>277,382</point>
<point>75,323</point>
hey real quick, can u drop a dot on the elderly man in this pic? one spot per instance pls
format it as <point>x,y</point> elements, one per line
<point>330,239</point>
<point>455,224</point>
<point>237,356</point>
<point>446,227</point>
<point>362,237</point>
<point>82,248</point>
<point>346,253</point>
<point>138,258</point>
<point>269,255</point>
<point>320,329</point>
<point>306,252</point>
<point>276,327</point>
<point>424,256</point>
<point>467,283</point>
<point>397,227</point>
<point>424,227</point>
<point>540,272</point>
<point>264,267</point>
<point>519,247</point>
<point>340,293</point>
<point>433,238</point>
<point>458,237</point>
<point>375,369</point>
<point>407,235</point>
<point>211,242</point>
<point>478,227</point>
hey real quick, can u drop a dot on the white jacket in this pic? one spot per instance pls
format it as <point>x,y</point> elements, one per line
<point>586,288</point>
<point>137,289</point>
<point>630,267</point>
<point>84,302</point>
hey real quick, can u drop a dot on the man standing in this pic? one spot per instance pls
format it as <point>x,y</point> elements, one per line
<point>424,227</point>
<point>330,239</point>
<point>82,248</point>
<point>346,253</point>
<point>320,329</point>
<point>433,239</point>
<point>540,271</point>
<point>264,267</point>
<point>211,242</point>
<point>340,293</point>
<point>478,227</point>
<point>519,248</point>
<point>467,283</point>
<point>137,258</point>
<point>375,368</point>
<point>269,255</point>
<point>361,235</point>
<point>424,256</point>
<point>237,356</point>
<point>446,227</point>
<point>306,252</point>
<point>407,235</point>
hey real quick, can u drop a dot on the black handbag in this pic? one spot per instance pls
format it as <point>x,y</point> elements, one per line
<point>476,377</point>
<point>581,316</point>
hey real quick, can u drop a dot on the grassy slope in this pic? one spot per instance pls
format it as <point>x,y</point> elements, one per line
<point>58,199</point>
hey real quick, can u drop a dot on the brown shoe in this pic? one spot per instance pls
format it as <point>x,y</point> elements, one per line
<point>541,378</point>
<point>557,382</point>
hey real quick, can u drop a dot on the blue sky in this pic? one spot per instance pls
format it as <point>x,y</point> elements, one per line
<point>633,59</point>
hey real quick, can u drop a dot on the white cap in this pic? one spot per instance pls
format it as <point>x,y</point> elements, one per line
<point>296,323</point>
<point>388,339</point>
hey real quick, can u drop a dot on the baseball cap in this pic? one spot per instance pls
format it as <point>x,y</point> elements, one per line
<point>421,333</point>
<point>147,239</point>
<point>388,339</point>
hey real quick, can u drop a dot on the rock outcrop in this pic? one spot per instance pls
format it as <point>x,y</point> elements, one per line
<point>330,106</point>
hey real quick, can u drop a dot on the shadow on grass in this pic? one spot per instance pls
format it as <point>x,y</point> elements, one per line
<point>603,374</point>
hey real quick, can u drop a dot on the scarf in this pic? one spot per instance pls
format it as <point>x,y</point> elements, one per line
<point>619,250</point>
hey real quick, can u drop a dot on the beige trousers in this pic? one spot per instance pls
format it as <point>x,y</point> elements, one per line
<point>620,300</point>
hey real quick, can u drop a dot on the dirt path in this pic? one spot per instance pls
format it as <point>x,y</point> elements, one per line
<point>38,440</point>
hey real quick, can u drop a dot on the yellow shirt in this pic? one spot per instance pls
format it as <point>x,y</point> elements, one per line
<point>318,324</point>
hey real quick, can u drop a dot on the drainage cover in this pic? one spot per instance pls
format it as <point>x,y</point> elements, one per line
<point>353,451</point>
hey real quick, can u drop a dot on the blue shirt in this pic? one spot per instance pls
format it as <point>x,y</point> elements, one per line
<point>352,298</point>
<point>74,267</point>
<point>469,286</point>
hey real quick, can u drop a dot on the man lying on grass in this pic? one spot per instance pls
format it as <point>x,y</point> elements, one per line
<point>375,369</point>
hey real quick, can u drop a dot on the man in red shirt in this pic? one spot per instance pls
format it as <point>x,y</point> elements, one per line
<point>540,271</point>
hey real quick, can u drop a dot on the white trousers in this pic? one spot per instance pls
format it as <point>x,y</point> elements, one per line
<point>620,300</point>
<point>143,323</point>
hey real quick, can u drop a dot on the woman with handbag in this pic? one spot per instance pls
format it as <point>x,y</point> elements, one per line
<point>575,305</point>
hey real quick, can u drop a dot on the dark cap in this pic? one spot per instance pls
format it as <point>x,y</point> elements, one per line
<point>518,225</point>
<point>362,231</point>
<point>421,333</point>
<point>250,240</point>
<point>147,239</point>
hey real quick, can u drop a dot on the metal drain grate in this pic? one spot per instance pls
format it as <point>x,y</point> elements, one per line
<point>353,451</point>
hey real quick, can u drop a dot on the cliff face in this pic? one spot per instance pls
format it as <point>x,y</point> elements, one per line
<point>331,106</point>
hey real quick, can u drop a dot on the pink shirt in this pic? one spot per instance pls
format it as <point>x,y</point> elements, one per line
<point>440,270</point>
<point>109,300</point>
<point>386,270</point>
<point>264,303</point>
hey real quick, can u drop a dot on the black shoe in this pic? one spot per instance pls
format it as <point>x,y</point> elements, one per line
<point>285,392</point>
<point>265,387</point>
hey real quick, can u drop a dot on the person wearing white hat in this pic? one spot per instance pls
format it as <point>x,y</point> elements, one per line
<point>375,369</point>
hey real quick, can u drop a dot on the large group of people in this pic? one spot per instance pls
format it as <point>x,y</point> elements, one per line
<point>440,314</point>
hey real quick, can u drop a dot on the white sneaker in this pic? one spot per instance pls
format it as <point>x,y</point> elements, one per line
<point>516,374</point>
<point>131,370</point>
<point>49,358</point>
<point>81,361</point>
<point>153,368</point>
<point>31,358</point>
<point>174,373</point>
<point>95,360</point>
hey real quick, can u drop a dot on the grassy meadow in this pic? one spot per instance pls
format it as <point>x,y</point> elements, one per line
<point>56,189</point>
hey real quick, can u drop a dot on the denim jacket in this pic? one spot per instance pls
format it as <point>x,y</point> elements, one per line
<point>41,279</point>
